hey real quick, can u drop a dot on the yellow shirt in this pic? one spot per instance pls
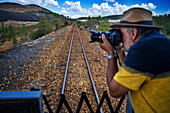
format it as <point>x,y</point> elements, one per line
<point>147,95</point>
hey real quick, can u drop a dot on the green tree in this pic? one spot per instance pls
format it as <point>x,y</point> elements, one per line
<point>11,32</point>
<point>163,21</point>
<point>66,23</point>
<point>14,41</point>
<point>43,23</point>
<point>4,34</point>
<point>44,27</point>
<point>99,18</point>
<point>56,20</point>
<point>2,27</point>
<point>89,17</point>
<point>167,29</point>
<point>23,30</point>
<point>104,25</point>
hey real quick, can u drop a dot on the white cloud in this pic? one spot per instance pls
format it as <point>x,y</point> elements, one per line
<point>144,5</point>
<point>96,7</point>
<point>74,6</point>
<point>75,10</point>
<point>154,13</point>
<point>50,3</point>
<point>106,9</point>
<point>68,3</point>
<point>119,9</point>
<point>64,11</point>
<point>151,6</point>
<point>109,0</point>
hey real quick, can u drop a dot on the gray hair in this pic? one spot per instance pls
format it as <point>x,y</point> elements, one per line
<point>141,31</point>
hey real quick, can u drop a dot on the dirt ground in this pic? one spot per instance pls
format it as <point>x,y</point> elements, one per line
<point>8,44</point>
<point>18,23</point>
<point>41,63</point>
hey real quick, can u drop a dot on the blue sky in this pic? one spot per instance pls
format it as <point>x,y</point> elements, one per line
<point>84,8</point>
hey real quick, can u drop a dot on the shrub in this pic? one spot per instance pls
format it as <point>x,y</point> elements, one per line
<point>66,23</point>
<point>2,27</point>
<point>32,35</point>
<point>3,39</point>
<point>22,39</point>
<point>36,34</point>
<point>7,32</point>
<point>40,32</point>
<point>90,22</point>
<point>14,41</point>
<point>104,25</point>
<point>79,24</point>
<point>23,30</point>
<point>11,32</point>
<point>56,20</point>
<point>163,21</point>
<point>45,25</point>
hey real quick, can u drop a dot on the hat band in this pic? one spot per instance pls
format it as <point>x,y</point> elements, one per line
<point>139,22</point>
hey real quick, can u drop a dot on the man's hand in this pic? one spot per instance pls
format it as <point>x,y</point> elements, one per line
<point>106,45</point>
<point>120,53</point>
<point>119,47</point>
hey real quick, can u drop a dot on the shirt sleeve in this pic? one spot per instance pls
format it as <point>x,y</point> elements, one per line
<point>130,80</point>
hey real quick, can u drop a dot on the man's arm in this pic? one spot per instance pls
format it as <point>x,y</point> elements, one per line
<point>116,89</point>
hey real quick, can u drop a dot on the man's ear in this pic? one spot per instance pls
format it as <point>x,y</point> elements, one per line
<point>134,34</point>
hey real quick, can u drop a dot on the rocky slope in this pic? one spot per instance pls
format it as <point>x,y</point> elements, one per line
<point>18,12</point>
<point>15,7</point>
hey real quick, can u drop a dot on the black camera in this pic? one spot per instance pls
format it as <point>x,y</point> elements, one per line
<point>114,36</point>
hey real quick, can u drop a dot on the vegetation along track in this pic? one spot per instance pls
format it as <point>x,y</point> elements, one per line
<point>47,68</point>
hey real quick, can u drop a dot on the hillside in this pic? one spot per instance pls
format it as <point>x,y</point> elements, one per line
<point>15,16</point>
<point>15,7</point>
<point>18,12</point>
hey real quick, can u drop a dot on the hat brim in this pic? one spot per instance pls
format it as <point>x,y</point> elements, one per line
<point>134,25</point>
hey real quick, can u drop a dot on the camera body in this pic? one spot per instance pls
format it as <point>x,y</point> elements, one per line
<point>114,36</point>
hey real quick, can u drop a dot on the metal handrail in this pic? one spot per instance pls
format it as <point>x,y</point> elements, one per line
<point>97,97</point>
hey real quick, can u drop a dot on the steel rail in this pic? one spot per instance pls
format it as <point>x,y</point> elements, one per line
<point>97,97</point>
<point>68,59</point>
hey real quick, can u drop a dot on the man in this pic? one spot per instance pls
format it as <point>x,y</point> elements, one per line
<point>145,72</point>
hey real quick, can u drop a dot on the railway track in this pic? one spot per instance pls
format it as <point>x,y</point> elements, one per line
<point>81,78</point>
<point>47,68</point>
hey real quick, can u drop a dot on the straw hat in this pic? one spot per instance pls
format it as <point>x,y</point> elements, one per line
<point>136,17</point>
